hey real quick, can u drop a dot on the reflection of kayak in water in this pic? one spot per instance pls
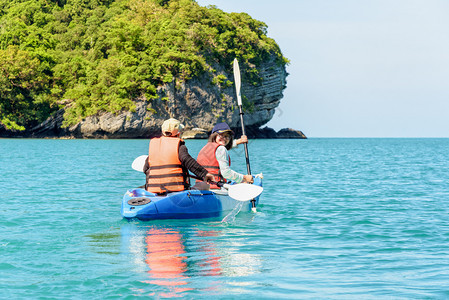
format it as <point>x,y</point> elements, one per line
<point>190,204</point>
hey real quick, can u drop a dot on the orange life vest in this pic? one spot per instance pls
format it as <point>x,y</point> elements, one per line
<point>166,173</point>
<point>207,159</point>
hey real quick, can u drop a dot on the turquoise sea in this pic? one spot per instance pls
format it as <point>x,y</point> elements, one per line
<point>338,219</point>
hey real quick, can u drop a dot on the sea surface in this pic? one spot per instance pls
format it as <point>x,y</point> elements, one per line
<point>338,219</point>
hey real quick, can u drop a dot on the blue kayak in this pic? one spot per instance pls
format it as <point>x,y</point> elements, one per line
<point>190,204</point>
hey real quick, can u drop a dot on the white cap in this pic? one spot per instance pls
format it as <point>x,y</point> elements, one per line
<point>171,127</point>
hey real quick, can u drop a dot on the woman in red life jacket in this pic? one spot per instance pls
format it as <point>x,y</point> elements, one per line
<point>168,162</point>
<point>214,156</point>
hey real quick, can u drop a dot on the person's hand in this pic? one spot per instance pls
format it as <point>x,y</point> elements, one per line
<point>243,139</point>
<point>209,177</point>
<point>248,179</point>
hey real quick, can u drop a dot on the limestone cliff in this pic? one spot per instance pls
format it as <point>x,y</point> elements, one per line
<point>197,103</point>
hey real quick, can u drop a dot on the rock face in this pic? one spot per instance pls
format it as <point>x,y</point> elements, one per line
<point>197,103</point>
<point>195,133</point>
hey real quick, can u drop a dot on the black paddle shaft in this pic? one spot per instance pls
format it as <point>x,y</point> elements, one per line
<point>253,201</point>
<point>245,145</point>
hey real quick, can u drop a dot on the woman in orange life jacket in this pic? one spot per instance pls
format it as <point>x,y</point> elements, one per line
<point>168,162</point>
<point>215,158</point>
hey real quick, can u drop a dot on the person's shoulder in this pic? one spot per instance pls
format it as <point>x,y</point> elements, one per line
<point>221,149</point>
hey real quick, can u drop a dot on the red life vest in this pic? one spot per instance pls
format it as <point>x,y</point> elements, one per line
<point>207,159</point>
<point>166,173</point>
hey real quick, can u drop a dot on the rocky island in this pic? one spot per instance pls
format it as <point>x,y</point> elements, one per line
<point>127,87</point>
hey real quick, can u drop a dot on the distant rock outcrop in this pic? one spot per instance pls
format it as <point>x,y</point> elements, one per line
<point>269,133</point>
<point>289,133</point>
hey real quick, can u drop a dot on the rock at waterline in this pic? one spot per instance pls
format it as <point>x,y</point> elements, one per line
<point>195,133</point>
<point>289,133</point>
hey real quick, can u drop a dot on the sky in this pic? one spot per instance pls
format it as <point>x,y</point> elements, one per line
<point>371,68</point>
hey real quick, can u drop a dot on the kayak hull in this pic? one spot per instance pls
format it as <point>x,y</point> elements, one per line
<point>190,204</point>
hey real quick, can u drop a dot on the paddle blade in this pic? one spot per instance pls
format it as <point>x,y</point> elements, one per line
<point>139,163</point>
<point>243,191</point>
<point>237,81</point>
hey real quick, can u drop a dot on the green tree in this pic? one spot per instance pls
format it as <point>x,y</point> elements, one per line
<point>24,94</point>
<point>101,55</point>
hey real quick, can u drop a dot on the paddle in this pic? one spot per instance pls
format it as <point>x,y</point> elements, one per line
<point>239,192</point>
<point>243,191</point>
<point>239,102</point>
<point>139,163</point>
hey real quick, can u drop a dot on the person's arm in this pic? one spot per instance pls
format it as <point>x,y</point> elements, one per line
<point>146,166</point>
<point>190,163</point>
<point>221,154</point>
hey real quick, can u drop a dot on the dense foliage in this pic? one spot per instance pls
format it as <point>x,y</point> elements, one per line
<point>100,55</point>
